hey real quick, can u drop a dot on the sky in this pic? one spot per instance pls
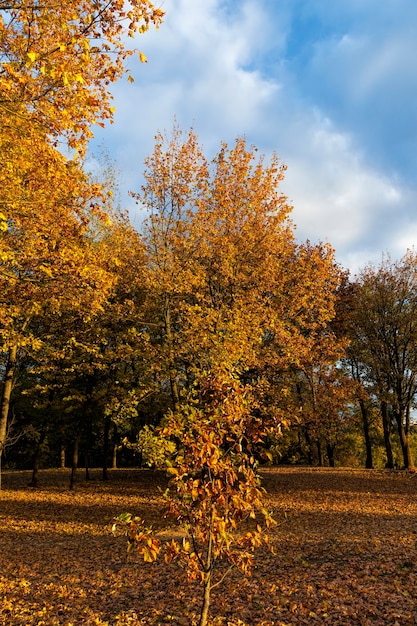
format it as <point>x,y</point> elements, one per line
<point>329,85</point>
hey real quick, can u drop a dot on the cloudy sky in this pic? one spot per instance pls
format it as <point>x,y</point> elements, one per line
<point>330,85</point>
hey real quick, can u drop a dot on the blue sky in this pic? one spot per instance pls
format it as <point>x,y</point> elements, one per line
<point>330,85</point>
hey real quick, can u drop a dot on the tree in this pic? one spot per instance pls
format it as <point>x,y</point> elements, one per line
<point>225,280</point>
<point>176,174</point>
<point>343,326</point>
<point>384,334</point>
<point>47,262</point>
<point>58,60</point>
<point>94,361</point>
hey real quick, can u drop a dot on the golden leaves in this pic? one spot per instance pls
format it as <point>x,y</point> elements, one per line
<point>32,56</point>
<point>59,70</point>
<point>237,305</point>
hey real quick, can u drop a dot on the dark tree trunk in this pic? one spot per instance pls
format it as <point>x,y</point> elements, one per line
<point>37,459</point>
<point>89,436</point>
<point>405,442</point>
<point>330,454</point>
<point>387,439</point>
<point>319,453</point>
<point>115,446</point>
<point>170,345</point>
<point>75,458</point>
<point>7,392</point>
<point>106,445</point>
<point>87,465</point>
<point>308,445</point>
<point>365,424</point>
<point>62,456</point>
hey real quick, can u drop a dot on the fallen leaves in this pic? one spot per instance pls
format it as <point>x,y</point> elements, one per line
<point>344,554</point>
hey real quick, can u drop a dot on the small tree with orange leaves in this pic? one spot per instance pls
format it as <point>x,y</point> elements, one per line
<point>214,490</point>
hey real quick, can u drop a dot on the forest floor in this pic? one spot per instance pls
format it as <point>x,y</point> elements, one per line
<point>344,553</point>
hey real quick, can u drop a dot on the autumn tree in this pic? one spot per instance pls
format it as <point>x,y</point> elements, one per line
<point>300,359</point>
<point>325,396</point>
<point>59,59</point>
<point>95,360</point>
<point>384,339</point>
<point>344,326</point>
<point>226,281</point>
<point>175,183</point>
<point>46,263</point>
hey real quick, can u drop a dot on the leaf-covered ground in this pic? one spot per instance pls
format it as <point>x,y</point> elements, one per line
<point>344,553</point>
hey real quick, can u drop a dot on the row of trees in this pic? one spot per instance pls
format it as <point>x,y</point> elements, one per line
<point>106,329</point>
<point>103,329</point>
<point>380,322</point>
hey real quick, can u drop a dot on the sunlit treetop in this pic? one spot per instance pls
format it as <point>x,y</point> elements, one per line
<point>58,59</point>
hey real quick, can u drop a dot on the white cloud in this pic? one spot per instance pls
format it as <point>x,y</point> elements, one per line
<point>337,197</point>
<point>207,68</point>
<point>200,71</point>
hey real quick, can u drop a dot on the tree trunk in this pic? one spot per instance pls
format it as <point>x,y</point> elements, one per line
<point>106,442</point>
<point>308,444</point>
<point>62,456</point>
<point>405,442</point>
<point>171,359</point>
<point>365,424</point>
<point>7,392</point>
<point>88,426</point>
<point>319,453</point>
<point>206,599</point>
<point>87,464</point>
<point>330,454</point>
<point>387,428</point>
<point>37,458</point>
<point>75,458</point>
<point>207,578</point>
<point>114,454</point>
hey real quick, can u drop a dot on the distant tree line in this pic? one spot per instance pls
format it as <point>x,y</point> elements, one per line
<point>106,332</point>
<point>106,329</point>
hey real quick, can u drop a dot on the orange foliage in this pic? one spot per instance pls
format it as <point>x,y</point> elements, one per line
<point>58,60</point>
<point>231,294</point>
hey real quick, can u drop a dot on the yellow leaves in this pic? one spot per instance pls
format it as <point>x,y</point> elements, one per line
<point>142,58</point>
<point>32,56</point>
<point>171,551</point>
<point>158,15</point>
<point>353,563</point>
<point>49,52</point>
<point>150,551</point>
<point>139,536</point>
<point>3,222</point>
<point>51,267</point>
<point>46,270</point>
